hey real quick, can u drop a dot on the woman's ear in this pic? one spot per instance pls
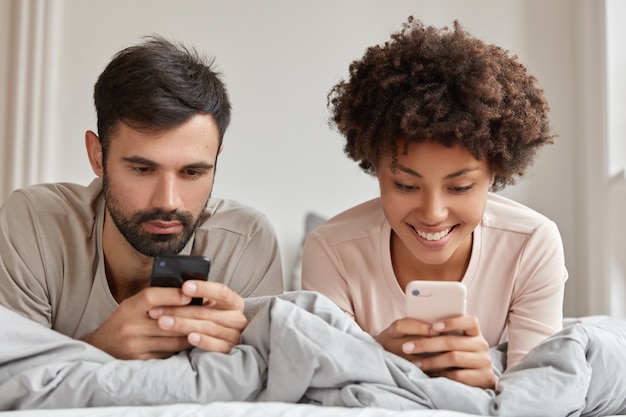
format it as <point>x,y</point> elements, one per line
<point>94,152</point>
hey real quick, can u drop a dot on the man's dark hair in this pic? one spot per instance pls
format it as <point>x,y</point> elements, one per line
<point>158,85</point>
<point>446,86</point>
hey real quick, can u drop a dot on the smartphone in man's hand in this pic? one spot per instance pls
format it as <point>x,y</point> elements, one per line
<point>173,271</point>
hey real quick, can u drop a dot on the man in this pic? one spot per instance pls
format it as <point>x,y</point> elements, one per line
<point>78,259</point>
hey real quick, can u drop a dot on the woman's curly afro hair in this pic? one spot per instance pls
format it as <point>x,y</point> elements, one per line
<point>441,85</point>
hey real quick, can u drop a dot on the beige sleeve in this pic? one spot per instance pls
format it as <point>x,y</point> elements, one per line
<point>261,261</point>
<point>537,308</point>
<point>22,270</point>
<point>322,272</point>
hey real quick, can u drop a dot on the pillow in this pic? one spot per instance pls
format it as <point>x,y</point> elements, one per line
<point>294,281</point>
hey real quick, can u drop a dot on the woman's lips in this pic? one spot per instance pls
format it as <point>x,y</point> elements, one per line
<point>433,239</point>
<point>434,236</point>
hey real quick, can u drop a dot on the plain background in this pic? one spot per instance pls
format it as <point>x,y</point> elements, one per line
<point>279,59</point>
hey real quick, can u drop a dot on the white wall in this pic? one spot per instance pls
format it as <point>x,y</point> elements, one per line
<point>5,43</point>
<point>280,58</point>
<point>616,164</point>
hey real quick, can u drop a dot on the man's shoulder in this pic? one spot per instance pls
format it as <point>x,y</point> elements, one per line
<point>61,198</point>
<point>234,216</point>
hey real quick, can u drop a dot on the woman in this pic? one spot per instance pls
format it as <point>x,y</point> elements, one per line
<point>442,120</point>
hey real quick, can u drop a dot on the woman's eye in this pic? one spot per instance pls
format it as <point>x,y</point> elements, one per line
<point>462,189</point>
<point>404,187</point>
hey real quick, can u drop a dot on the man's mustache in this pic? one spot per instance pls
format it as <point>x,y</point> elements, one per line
<point>166,216</point>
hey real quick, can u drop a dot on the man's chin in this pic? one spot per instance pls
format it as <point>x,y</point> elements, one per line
<point>164,237</point>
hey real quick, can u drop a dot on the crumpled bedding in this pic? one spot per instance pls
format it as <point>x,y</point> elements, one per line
<point>300,348</point>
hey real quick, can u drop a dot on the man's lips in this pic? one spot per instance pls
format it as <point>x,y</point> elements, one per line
<point>163,228</point>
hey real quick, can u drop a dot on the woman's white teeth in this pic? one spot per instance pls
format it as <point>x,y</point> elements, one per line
<point>434,236</point>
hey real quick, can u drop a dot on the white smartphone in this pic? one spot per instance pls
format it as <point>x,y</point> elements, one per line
<point>431,301</point>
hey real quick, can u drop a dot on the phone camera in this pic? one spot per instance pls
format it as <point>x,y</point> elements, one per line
<point>162,264</point>
<point>416,292</point>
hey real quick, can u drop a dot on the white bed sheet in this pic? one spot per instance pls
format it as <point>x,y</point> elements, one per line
<point>233,409</point>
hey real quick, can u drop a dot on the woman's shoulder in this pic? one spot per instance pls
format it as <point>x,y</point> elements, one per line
<point>506,214</point>
<point>358,221</point>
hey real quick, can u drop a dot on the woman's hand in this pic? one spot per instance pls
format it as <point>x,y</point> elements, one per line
<point>453,348</point>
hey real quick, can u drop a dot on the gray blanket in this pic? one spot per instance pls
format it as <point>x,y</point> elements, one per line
<point>298,347</point>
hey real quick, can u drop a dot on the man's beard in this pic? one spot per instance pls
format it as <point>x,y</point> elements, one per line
<point>151,244</point>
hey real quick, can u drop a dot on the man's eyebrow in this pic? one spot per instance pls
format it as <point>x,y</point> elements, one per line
<point>138,160</point>
<point>145,161</point>
<point>416,174</point>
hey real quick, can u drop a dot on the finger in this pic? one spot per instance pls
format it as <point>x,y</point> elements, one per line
<point>455,359</point>
<point>210,343</point>
<point>131,321</point>
<point>467,325</point>
<point>217,294</point>
<point>158,296</point>
<point>228,318</point>
<point>437,344</point>
<point>409,327</point>
<point>186,326</point>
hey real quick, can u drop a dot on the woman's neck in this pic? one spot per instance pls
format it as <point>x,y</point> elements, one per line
<point>408,268</point>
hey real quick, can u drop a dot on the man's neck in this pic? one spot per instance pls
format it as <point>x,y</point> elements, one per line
<point>127,271</point>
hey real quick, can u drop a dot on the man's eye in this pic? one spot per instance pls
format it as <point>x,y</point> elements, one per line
<point>193,173</point>
<point>141,170</point>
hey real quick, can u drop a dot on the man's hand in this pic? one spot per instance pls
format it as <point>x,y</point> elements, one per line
<point>216,326</point>
<point>438,351</point>
<point>158,322</point>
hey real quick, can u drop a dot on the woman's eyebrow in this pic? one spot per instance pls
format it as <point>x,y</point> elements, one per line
<point>416,174</point>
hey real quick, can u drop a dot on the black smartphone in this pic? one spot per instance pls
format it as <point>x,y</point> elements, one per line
<point>172,271</point>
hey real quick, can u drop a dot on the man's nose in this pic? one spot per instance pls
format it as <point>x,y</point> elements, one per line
<point>165,195</point>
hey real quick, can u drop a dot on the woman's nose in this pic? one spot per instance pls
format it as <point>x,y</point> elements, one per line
<point>433,208</point>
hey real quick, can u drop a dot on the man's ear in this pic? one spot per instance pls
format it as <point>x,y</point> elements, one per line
<point>94,152</point>
<point>219,151</point>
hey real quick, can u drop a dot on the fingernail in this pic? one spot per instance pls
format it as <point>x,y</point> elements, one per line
<point>439,326</point>
<point>155,312</point>
<point>418,364</point>
<point>194,338</point>
<point>408,347</point>
<point>166,322</point>
<point>191,287</point>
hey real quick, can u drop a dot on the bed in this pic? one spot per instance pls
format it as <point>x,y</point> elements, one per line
<point>301,356</point>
